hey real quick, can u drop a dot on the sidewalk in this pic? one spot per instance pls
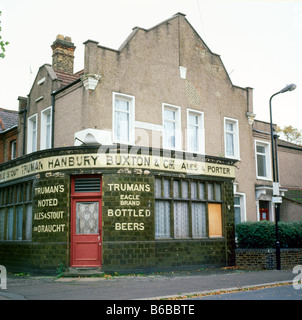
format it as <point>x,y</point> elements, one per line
<point>145,287</point>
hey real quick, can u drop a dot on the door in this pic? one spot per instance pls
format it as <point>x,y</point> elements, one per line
<point>86,222</point>
<point>264,210</point>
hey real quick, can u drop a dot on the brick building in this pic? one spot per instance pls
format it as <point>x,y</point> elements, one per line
<point>8,134</point>
<point>131,163</point>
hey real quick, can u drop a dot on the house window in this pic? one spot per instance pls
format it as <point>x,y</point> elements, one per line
<point>231,138</point>
<point>46,123</point>
<point>195,135</point>
<point>184,209</point>
<point>16,212</point>
<point>32,133</point>
<point>263,160</point>
<point>172,131</point>
<point>123,118</point>
<point>237,209</point>
<point>13,150</point>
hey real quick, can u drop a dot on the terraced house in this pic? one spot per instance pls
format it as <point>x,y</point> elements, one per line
<point>131,163</point>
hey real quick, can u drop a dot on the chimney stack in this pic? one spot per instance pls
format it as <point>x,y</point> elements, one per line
<point>63,54</point>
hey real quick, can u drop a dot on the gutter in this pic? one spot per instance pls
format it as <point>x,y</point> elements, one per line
<point>11,128</point>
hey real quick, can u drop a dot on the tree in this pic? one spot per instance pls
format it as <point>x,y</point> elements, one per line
<point>291,134</point>
<point>3,44</point>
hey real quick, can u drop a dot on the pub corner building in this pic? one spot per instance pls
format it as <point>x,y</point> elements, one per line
<point>116,206</point>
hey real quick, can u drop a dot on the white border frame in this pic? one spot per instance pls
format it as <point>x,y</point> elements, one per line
<point>178,134</point>
<point>201,131</point>
<point>42,129</point>
<point>267,146</point>
<point>29,147</point>
<point>236,138</point>
<point>131,99</point>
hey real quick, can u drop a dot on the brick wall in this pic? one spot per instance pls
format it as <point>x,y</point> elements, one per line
<point>138,250</point>
<point>266,258</point>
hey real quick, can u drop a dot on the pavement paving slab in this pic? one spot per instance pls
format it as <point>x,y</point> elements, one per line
<point>136,287</point>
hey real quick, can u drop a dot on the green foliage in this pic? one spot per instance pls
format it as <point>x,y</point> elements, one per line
<point>60,270</point>
<point>3,44</point>
<point>263,234</point>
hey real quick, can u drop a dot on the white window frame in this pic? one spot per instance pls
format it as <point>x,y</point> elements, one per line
<point>43,131</point>
<point>177,121</point>
<point>13,151</point>
<point>131,125</point>
<point>30,131</point>
<point>267,146</point>
<point>200,131</point>
<point>242,205</point>
<point>236,140</point>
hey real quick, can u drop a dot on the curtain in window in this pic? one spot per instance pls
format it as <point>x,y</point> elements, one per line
<point>10,223</point>
<point>34,135</point>
<point>162,219</point>
<point>28,223</point>
<point>2,221</point>
<point>181,219</point>
<point>170,127</point>
<point>193,132</point>
<point>87,217</point>
<point>198,220</point>
<point>229,144</point>
<point>48,131</point>
<point>121,125</point>
<point>19,222</point>
<point>194,190</point>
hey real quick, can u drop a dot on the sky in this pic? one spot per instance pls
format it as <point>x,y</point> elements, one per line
<point>259,41</point>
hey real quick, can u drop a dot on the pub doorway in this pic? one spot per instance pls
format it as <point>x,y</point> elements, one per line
<point>86,221</point>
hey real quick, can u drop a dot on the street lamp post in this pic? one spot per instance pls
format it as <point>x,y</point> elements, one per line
<point>276,193</point>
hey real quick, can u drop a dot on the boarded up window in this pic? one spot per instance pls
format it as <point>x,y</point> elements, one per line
<point>215,222</point>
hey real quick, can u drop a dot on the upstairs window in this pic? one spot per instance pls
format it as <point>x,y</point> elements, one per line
<point>46,124</point>
<point>123,118</point>
<point>263,160</point>
<point>231,138</point>
<point>13,150</point>
<point>172,131</point>
<point>195,134</point>
<point>32,133</point>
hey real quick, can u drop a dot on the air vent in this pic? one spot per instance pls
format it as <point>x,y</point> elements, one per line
<point>87,185</point>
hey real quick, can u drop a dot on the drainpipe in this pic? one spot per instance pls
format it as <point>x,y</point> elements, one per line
<point>24,111</point>
<point>53,119</point>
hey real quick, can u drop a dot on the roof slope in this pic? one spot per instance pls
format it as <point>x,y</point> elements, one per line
<point>68,78</point>
<point>8,119</point>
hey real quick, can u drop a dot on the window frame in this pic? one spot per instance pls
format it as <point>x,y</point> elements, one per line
<point>236,139</point>
<point>200,131</point>
<point>13,150</point>
<point>16,207</point>
<point>241,205</point>
<point>177,110</point>
<point>30,135</point>
<point>43,129</point>
<point>131,124</point>
<point>267,147</point>
<point>202,198</point>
